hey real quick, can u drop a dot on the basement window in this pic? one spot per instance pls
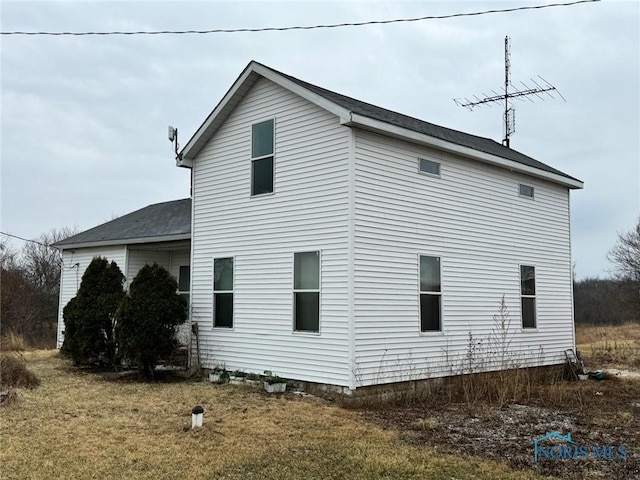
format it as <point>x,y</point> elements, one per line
<point>429,167</point>
<point>262,158</point>
<point>430,294</point>
<point>306,291</point>
<point>526,190</point>
<point>528,295</point>
<point>223,292</point>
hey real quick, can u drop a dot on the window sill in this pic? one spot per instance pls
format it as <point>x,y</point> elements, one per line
<point>262,195</point>
<point>431,333</point>
<point>305,333</point>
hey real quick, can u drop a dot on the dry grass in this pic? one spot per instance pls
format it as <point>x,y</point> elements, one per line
<point>11,342</point>
<point>78,425</point>
<point>610,345</point>
<point>13,368</point>
<point>14,372</point>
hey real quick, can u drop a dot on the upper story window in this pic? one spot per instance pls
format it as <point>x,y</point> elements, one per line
<point>262,147</point>
<point>526,190</point>
<point>428,166</point>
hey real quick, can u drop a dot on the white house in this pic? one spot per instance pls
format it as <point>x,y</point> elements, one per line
<point>337,242</point>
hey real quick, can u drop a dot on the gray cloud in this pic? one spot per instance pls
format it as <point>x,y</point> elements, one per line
<point>84,118</point>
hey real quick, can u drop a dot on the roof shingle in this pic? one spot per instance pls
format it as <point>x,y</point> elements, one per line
<point>161,220</point>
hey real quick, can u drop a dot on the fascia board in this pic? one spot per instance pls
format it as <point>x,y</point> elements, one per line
<point>299,90</point>
<point>188,152</point>
<point>127,241</point>
<point>239,89</point>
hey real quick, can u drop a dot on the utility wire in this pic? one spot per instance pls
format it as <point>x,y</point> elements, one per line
<point>26,239</point>
<point>309,27</point>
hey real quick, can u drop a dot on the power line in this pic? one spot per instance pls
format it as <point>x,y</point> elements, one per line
<point>309,27</point>
<point>26,239</point>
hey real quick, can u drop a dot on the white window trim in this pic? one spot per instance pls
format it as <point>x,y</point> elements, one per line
<point>273,155</point>
<point>533,191</point>
<point>213,298</point>
<point>294,291</point>
<point>429,174</point>
<point>420,292</point>
<point>535,301</point>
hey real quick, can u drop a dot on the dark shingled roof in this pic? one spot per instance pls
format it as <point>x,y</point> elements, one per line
<point>165,219</point>
<point>481,144</point>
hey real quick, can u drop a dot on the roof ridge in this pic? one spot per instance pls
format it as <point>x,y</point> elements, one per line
<point>291,77</point>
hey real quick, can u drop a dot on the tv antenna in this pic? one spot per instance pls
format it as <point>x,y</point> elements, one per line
<point>510,92</point>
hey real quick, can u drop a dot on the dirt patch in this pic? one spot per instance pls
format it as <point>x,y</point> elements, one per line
<point>609,414</point>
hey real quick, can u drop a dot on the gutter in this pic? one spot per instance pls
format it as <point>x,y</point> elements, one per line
<point>123,241</point>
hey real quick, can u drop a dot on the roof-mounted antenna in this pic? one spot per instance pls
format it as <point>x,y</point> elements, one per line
<point>509,116</point>
<point>173,138</point>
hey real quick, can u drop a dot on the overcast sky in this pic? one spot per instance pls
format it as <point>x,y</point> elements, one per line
<point>84,119</point>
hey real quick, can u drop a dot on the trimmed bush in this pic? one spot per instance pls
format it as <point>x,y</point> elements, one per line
<point>89,317</point>
<point>148,317</point>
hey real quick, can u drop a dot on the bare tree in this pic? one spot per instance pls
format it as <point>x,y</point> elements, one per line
<point>625,255</point>
<point>42,262</point>
<point>31,286</point>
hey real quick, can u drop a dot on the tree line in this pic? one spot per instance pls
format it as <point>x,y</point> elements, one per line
<point>615,300</point>
<point>30,288</point>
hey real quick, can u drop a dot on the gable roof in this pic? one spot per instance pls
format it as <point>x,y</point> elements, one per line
<point>159,222</point>
<point>356,113</point>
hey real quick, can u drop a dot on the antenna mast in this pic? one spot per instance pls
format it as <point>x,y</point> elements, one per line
<point>510,92</point>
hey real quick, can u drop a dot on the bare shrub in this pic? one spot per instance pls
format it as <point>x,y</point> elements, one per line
<point>14,372</point>
<point>12,342</point>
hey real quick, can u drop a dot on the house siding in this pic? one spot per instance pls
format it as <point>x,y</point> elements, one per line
<point>474,219</point>
<point>307,211</point>
<point>138,258</point>
<point>72,276</point>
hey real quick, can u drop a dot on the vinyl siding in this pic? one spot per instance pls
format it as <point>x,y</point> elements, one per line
<point>473,218</point>
<point>307,211</point>
<point>139,258</point>
<point>72,274</point>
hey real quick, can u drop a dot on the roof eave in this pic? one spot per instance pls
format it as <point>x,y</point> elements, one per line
<point>367,123</point>
<point>123,241</point>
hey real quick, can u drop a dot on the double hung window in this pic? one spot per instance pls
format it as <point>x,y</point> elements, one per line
<point>430,294</point>
<point>223,292</point>
<point>306,291</point>
<point>262,157</point>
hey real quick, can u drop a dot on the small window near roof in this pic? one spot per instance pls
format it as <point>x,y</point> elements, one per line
<point>430,167</point>
<point>526,191</point>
